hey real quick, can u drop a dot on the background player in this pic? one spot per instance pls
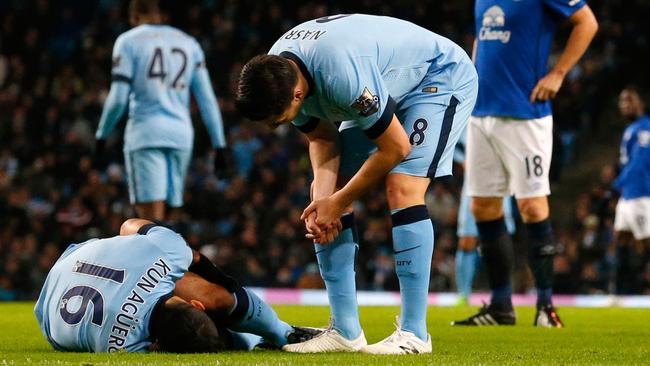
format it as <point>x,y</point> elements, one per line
<point>404,94</point>
<point>154,67</point>
<point>510,138</point>
<point>632,220</point>
<point>467,256</point>
<point>98,299</point>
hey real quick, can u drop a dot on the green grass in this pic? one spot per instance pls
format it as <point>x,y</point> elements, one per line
<point>593,336</point>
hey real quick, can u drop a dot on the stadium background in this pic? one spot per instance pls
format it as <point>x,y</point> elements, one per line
<point>55,74</point>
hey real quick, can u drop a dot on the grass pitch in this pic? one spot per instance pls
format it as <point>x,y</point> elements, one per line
<point>593,336</point>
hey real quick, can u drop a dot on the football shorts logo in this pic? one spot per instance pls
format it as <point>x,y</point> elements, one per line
<point>367,103</point>
<point>494,17</point>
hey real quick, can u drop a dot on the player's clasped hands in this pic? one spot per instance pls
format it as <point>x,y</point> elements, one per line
<point>322,220</point>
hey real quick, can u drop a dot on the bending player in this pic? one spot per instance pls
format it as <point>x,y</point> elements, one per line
<point>154,68</point>
<point>132,292</point>
<point>404,94</point>
<point>510,138</point>
<point>467,256</point>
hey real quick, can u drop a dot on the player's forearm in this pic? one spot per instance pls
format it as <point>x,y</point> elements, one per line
<point>372,171</point>
<point>583,32</point>
<point>114,108</point>
<point>209,108</point>
<point>325,160</point>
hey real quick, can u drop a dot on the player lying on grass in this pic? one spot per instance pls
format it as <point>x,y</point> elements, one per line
<point>146,290</point>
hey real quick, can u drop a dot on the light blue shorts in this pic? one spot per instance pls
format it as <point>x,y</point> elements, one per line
<point>433,126</point>
<point>466,226</point>
<point>157,174</point>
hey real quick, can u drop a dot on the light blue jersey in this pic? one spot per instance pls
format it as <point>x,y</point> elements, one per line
<point>513,42</point>
<point>100,294</point>
<point>363,68</point>
<point>154,67</point>
<point>634,179</point>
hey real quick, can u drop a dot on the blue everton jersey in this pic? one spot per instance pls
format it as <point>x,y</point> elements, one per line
<point>162,64</point>
<point>100,294</point>
<point>362,68</point>
<point>513,42</point>
<point>634,180</point>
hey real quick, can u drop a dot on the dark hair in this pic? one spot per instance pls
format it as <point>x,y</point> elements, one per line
<point>144,7</point>
<point>266,85</point>
<point>182,328</point>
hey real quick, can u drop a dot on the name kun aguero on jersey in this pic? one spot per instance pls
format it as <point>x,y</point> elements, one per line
<point>494,17</point>
<point>126,319</point>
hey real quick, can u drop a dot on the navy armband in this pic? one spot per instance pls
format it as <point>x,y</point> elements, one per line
<point>308,127</point>
<point>382,123</point>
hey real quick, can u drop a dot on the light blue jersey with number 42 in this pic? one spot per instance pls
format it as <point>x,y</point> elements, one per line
<point>100,294</point>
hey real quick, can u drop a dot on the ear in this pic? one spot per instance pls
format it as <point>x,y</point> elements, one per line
<point>197,304</point>
<point>298,94</point>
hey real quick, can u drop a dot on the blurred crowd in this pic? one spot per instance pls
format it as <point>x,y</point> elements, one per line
<point>55,73</point>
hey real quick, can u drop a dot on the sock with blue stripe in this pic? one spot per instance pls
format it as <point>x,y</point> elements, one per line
<point>252,315</point>
<point>498,256</point>
<point>413,248</point>
<point>336,262</point>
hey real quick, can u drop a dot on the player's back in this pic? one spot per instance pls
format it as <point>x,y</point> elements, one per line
<point>100,294</point>
<point>159,61</point>
<point>403,52</point>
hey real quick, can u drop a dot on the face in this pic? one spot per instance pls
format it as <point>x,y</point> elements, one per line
<point>290,113</point>
<point>630,104</point>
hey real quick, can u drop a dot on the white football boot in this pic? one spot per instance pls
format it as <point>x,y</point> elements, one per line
<point>399,343</point>
<point>328,341</point>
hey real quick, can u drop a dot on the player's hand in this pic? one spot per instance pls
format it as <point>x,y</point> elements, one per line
<point>220,161</point>
<point>319,236</point>
<point>328,211</point>
<point>547,87</point>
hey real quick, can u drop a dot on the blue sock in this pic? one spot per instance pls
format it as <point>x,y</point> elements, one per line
<point>460,274</point>
<point>413,248</point>
<point>498,256</point>
<point>244,341</point>
<point>252,315</point>
<point>466,269</point>
<point>541,252</point>
<point>336,263</point>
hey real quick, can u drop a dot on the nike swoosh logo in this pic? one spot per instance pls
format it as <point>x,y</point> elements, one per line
<point>405,250</point>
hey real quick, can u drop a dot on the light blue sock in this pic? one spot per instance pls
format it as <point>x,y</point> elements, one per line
<point>336,263</point>
<point>468,267</point>
<point>245,341</point>
<point>413,248</point>
<point>257,317</point>
<point>461,282</point>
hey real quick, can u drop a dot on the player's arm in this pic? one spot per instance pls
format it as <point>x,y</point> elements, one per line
<point>392,147</point>
<point>325,156</point>
<point>200,265</point>
<point>584,29</point>
<point>207,101</point>
<point>118,96</point>
<point>114,107</point>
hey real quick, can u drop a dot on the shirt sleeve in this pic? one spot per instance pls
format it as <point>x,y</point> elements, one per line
<point>305,123</point>
<point>176,251</point>
<point>359,89</point>
<point>207,101</point>
<point>122,69</point>
<point>565,8</point>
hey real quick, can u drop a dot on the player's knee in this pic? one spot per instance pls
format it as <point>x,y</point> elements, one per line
<point>533,209</point>
<point>487,208</point>
<point>467,243</point>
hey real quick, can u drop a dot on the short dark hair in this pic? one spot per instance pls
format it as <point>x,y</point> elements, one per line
<point>144,7</point>
<point>266,85</point>
<point>182,328</point>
